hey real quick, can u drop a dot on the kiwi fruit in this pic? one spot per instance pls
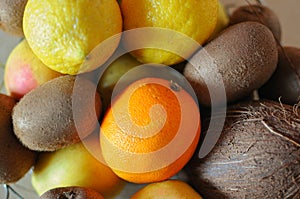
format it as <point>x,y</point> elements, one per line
<point>71,193</point>
<point>285,82</point>
<point>256,156</point>
<point>49,118</point>
<point>258,13</point>
<point>245,56</point>
<point>16,160</point>
<point>11,16</point>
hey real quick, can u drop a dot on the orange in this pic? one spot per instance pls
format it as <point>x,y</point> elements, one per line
<point>195,19</point>
<point>172,189</point>
<point>62,33</point>
<point>151,131</point>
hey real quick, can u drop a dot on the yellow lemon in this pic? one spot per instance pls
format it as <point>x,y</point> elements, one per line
<point>222,22</point>
<point>195,19</point>
<point>63,32</point>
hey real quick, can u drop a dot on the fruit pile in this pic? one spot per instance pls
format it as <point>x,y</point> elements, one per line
<point>104,93</point>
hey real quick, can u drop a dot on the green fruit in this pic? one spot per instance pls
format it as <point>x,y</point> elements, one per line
<point>112,74</point>
<point>75,166</point>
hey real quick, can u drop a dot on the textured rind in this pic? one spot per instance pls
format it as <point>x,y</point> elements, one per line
<point>257,155</point>
<point>245,55</point>
<point>285,82</point>
<point>77,27</point>
<point>195,19</point>
<point>43,120</point>
<point>16,160</point>
<point>259,14</point>
<point>72,193</point>
<point>11,16</point>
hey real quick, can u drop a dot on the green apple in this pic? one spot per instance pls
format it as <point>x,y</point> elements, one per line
<point>75,166</point>
<point>112,74</point>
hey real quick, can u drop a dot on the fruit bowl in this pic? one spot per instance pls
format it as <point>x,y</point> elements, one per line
<point>283,9</point>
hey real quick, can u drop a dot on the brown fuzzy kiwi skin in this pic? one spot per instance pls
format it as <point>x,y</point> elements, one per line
<point>257,155</point>
<point>11,16</point>
<point>245,55</point>
<point>71,193</point>
<point>16,159</point>
<point>285,82</point>
<point>258,13</point>
<point>43,120</point>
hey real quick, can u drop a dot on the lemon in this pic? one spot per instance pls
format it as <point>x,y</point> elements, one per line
<point>222,22</point>
<point>194,18</point>
<point>62,32</point>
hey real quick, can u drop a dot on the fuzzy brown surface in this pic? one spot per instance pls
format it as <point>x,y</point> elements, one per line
<point>257,155</point>
<point>43,119</point>
<point>258,13</point>
<point>285,82</point>
<point>16,160</point>
<point>245,55</point>
<point>11,16</point>
<point>71,193</point>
